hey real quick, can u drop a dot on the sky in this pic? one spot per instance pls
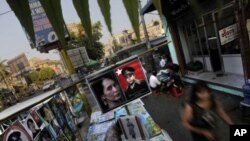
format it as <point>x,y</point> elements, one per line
<point>14,42</point>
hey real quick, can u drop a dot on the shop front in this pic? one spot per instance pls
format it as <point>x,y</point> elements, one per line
<point>212,39</point>
<point>208,33</point>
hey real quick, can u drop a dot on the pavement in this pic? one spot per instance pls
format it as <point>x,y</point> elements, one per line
<point>166,109</point>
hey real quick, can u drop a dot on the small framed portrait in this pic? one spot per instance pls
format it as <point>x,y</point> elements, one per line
<point>44,135</point>
<point>131,128</point>
<point>107,91</point>
<point>31,126</point>
<point>36,118</point>
<point>132,79</point>
<point>16,132</point>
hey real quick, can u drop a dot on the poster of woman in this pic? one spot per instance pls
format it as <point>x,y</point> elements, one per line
<point>107,91</point>
<point>31,126</point>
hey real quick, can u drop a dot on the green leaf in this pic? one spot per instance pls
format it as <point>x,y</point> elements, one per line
<point>157,4</point>
<point>22,11</point>
<point>105,9</point>
<point>131,7</point>
<point>53,11</point>
<point>82,9</point>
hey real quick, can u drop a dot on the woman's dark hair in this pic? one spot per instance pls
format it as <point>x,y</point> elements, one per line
<point>199,87</point>
<point>44,135</point>
<point>97,88</point>
<point>154,72</point>
<point>29,121</point>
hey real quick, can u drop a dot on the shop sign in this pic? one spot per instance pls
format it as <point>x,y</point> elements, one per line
<point>44,32</point>
<point>78,56</point>
<point>228,34</point>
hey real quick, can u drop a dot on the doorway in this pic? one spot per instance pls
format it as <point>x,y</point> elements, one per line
<point>212,42</point>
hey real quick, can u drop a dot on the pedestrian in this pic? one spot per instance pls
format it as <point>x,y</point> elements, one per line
<point>201,112</point>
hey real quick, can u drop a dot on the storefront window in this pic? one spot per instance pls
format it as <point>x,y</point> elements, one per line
<point>231,48</point>
<point>191,39</point>
<point>227,19</point>
<point>203,40</point>
<point>208,19</point>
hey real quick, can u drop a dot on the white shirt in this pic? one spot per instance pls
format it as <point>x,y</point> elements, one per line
<point>153,81</point>
<point>162,63</point>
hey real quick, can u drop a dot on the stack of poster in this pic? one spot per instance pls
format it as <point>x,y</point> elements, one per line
<point>150,128</point>
<point>131,128</point>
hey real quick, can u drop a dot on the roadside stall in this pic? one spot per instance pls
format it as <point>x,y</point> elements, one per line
<point>122,119</point>
<point>121,114</point>
<point>54,115</point>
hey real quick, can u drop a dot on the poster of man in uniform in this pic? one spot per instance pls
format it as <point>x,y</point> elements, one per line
<point>132,79</point>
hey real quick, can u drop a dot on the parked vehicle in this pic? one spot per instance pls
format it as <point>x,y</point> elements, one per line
<point>48,85</point>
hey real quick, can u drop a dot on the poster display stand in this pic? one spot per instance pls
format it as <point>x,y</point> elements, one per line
<point>132,116</point>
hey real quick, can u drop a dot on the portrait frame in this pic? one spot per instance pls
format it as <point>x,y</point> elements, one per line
<point>97,88</point>
<point>141,88</point>
<point>113,70</point>
<point>131,128</point>
<point>26,126</point>
<point>16,128</point>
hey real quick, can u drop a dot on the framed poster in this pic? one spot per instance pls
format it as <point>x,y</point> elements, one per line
<point>15,132</point>
<point>118,84</point>
<point>131,128</point>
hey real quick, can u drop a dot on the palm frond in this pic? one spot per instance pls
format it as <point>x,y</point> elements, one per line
<point>157,4</point>
<point>105,9</point>
<point>22,11</point>
<point>131,7</point>
<point>82,9</point>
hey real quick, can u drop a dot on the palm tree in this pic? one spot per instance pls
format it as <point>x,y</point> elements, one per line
<point>3,72</point>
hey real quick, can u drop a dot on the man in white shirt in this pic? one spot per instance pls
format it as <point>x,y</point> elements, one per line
<point>154,83</point>
<point>162,62</point>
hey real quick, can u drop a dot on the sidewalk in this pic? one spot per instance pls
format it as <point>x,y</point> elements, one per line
<point>165,110</point>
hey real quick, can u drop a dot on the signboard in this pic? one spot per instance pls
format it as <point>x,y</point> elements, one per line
<point>44,33</point>
<point>174,8</point>
<point>228,34</point>
<point>78,56</point>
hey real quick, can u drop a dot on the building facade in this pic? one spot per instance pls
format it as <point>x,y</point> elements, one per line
<point>127,38</point>
<point>19,63</point>
<point>215,35</point>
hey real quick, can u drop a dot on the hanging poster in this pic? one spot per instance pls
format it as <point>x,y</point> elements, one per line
<point>31,126</point>
<point>60,109</point>
<point>44,32</point>
<point>15,132</point>
<point>49,121</point>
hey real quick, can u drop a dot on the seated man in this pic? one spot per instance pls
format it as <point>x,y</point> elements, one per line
<point>154,83</point>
